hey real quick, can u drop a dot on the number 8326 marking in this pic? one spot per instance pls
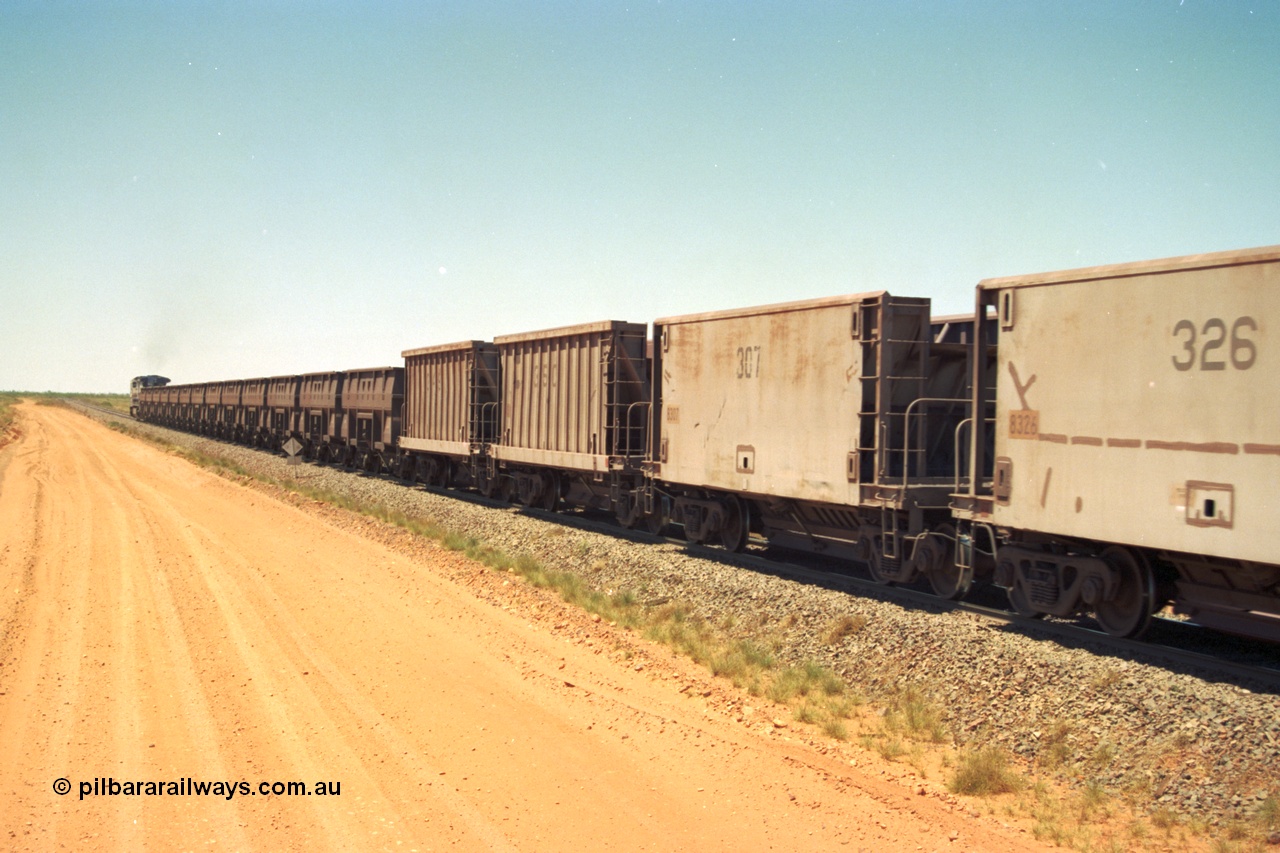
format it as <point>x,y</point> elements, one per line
<point>1214,345</point>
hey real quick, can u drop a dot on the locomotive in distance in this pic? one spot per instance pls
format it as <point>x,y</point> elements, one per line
<point>1101,440</point>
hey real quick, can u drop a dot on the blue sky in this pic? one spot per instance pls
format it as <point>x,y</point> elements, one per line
<point>217,190</point>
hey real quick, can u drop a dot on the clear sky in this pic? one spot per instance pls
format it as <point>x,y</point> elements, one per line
<point>227,189</point>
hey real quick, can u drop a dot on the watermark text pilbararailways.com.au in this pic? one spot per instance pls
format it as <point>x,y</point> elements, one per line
<point>107,786</point>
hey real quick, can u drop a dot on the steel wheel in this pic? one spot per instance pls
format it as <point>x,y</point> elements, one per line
<point>627,511</point>
<point>1128,612</point>
<point>946,579</point>
<point>549,500</point>
<point>873,547</point>
<point>1019,598</point>
<point>653,523</point>
<point>736,526</point>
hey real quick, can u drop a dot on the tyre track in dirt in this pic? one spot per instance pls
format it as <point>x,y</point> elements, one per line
<point>246,615</point>
<point>163,623</point>
<point>106,678</point>
<point>145,623</point>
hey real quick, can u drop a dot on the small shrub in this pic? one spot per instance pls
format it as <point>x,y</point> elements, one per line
<point>1269,812</point>
<point>1103,754</point>
<point>1055,747</point>
<point>807,679</point>
<point>1091,799</point>
<point>1107,678</point>
<point>806,713</point>
<point>891,750</point>
<point>983,773</point>
<point>835,728</point>
<point>842,706</point>
<point>741,661</point>
<point>913,714</point>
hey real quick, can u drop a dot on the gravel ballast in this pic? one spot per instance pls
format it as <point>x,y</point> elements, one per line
<point>1185,742</point>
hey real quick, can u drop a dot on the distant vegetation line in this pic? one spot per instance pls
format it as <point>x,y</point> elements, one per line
<point>7,401</point>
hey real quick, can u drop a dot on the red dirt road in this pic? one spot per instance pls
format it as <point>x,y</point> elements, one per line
<point>159,623</point>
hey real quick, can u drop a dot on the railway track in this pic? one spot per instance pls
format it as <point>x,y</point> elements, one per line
<point>115,413</point>
<point>1170,643</point>
<point>1174,644</point>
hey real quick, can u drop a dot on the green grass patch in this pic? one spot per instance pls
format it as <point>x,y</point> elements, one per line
<point>805,680</point>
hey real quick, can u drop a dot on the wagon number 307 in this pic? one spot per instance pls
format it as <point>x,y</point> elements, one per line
<point>748,362</point>
<point>1215,345</point>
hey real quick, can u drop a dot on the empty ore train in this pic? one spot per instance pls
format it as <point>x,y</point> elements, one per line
<point>1102,440</point>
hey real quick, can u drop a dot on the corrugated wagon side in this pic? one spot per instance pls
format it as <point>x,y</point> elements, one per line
<point>574,415</point>
<point>205,407</point>
<point>372,399</point>
<point>252,419</point>
<point>229,392</point>
<point>284,416</point>
<point>320,414</point>
<point>450,413</point>
<point>170,409</point>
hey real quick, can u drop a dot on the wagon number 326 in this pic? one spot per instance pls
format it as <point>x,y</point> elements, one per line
<point>1215,345</point>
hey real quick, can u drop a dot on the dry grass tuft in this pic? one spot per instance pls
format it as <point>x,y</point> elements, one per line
<point>983,773</point>
<point>845,626</point>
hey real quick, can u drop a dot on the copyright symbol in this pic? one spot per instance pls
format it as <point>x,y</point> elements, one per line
<point>62,786</point>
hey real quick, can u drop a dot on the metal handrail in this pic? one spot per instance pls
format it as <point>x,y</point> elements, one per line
<point>648,404</point>
<point>487,418</point>
<point>906,430</point>
<point>959,429</point>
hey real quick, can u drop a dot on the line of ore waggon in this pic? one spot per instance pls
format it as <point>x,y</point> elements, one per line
<point>1104,441</point>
